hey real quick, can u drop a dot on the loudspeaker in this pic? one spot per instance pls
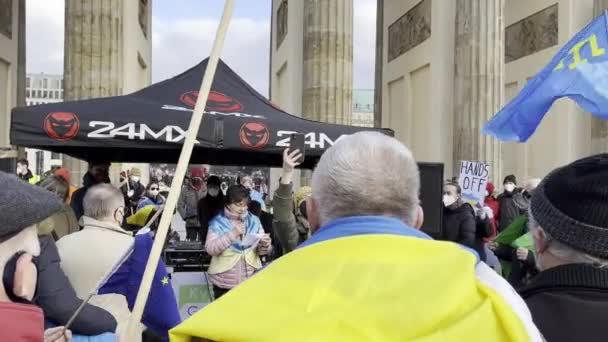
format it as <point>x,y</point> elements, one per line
<point>431,193</point>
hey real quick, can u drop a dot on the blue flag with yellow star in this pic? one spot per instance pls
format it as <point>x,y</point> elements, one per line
<point>161,312</point>
<point>578,71</point>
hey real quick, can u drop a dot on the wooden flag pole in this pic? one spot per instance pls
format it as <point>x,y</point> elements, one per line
<point>180,173</point>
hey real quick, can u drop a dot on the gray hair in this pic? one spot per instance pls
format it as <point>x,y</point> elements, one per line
<point>565,253</point>
<point>102,200</point>
<point>367,173</point>
<point>57,185</point>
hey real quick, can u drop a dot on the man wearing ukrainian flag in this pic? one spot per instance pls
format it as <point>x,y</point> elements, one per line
<point>366,274</point>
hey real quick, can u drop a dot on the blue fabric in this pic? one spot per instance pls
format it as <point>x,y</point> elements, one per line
<point>161,312</point>
<point>578,71</point>
<point>221,225</point>
<point>364,225</point>
<point>105,337</point>
<point>257,196</point>
<point>145,201</point>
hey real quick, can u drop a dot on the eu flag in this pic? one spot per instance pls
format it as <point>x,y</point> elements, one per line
<point>161,312</point>
<point>578,71</point>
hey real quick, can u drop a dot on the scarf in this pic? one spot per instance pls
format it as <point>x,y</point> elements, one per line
<point>226,221</point>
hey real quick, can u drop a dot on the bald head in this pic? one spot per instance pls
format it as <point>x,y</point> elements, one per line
<point>366,173</point>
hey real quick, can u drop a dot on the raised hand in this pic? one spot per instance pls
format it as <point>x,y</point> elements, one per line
<point>290,161</point>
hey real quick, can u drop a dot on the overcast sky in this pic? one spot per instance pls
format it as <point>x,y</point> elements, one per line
<point>182,34</point>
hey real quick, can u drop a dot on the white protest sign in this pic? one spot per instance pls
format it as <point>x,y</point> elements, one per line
<point>473,180</point>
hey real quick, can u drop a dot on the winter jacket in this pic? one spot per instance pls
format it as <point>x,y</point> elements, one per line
<point>78,197</point>
<point>60,224</point>
<point>493,204</point>
<point>138,191</point>
<point>511,205</point>
<point>459,224</point>
<point>569,303</point>
<point>87,256</point>
<point>57,297</point>
<point>290,228</point>
<point>187,206</point>
<point>483,230</point>
<point>30,177</point>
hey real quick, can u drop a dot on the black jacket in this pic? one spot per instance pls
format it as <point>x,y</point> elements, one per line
<point>512,205</point>
<point>78,196</point>
<point>570,303</point>
<point>208,207</point>
<point>459,225</point>
<point>59,301</point>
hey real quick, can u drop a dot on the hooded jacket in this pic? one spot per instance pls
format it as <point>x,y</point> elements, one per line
<point>187,206</point>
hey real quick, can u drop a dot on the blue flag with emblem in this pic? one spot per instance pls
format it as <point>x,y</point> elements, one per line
<point>578,71</point>
<point>161,312</point>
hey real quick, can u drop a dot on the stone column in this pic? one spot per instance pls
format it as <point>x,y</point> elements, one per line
<point>93,57</point>
<point>478,80</point>
<point>328,61</point>
<point>378,82</point>
<point>599,127</point>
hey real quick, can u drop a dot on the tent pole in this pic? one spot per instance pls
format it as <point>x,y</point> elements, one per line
<point>180,172</point>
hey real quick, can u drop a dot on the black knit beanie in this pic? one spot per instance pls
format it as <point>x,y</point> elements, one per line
<point>510,179</point>
<point>571,204</point>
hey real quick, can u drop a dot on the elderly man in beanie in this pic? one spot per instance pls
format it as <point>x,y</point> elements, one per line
<point>22,206</point>
<point>569,223</point>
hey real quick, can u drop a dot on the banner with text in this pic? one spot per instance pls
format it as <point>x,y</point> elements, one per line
<point>473,180</point>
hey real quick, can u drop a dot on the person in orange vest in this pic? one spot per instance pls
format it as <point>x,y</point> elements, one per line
<point>65,174</point>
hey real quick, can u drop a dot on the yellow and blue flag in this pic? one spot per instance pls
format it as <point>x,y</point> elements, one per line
<point>578,71</point>
<point>362,279</point>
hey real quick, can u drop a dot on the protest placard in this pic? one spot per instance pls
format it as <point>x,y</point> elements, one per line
<point>473,180</point>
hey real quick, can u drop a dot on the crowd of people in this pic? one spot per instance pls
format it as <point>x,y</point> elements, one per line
<point>342,259</point>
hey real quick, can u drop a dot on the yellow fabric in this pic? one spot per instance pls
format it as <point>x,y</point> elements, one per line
<point>301,194</point>
<point>141,216</point>
<point>35,179</point>
<point>227,260</point>
<point>361,288</point>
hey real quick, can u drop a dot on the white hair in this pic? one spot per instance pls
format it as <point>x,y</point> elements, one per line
<point>563,252</point>
<point>531,184</point>
<point>102,200</point>
<point>367,173</point>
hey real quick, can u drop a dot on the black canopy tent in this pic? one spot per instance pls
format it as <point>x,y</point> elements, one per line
<point>240,126</point>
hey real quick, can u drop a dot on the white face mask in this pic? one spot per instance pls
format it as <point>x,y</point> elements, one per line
<point>213,191</point>
<point>487,193</point>
<point>21,170</point>
<point>153,193</point>
<point>448,200</point>
<point>509,187</point>
<point>135,179</point>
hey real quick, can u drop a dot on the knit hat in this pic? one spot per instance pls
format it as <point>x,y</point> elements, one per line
<point>135,172</point>
<point>510,179</point>
<point>63,173</point>
<point>571,204</point>
<point>23,205</point>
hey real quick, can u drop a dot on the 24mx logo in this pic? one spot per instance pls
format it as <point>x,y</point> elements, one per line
<point>132,131</point>
<point>313,140</point>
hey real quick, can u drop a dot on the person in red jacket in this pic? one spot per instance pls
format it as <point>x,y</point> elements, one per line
<point>492,202</point>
